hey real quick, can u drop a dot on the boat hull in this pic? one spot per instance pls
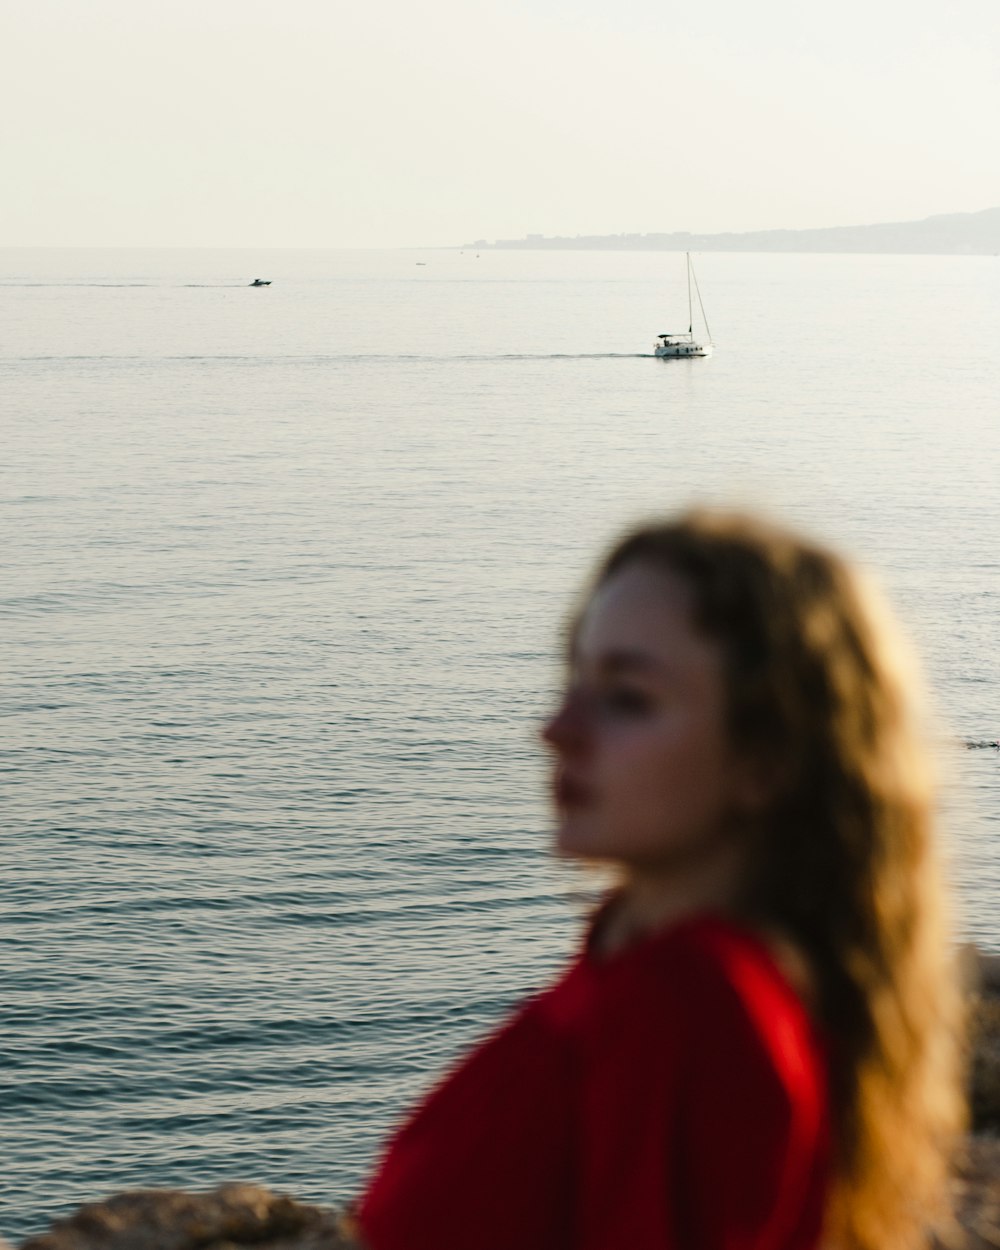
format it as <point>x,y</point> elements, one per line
<point>675,350</point>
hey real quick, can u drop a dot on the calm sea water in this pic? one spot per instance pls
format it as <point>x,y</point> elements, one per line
<point>284,571</point>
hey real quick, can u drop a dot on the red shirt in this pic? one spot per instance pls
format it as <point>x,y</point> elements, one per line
<point>671,1097</point>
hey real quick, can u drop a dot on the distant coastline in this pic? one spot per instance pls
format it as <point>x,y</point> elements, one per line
<point>963,234</point>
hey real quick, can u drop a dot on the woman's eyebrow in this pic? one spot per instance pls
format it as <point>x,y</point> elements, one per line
<point>619,661</point>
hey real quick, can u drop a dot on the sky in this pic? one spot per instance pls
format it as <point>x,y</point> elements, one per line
<point>317,123</point>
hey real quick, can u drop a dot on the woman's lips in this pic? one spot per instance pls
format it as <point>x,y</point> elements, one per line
<point>571,793</point>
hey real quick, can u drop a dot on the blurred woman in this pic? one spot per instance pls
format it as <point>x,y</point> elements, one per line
<point>755,1048</point>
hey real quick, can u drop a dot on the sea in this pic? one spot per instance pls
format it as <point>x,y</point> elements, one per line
<point>285,577</point>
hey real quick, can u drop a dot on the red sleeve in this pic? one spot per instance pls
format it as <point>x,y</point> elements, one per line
<point>484,1163</point>
<point>705,1123</point>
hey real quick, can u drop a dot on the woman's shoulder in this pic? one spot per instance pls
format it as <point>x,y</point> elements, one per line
<point>733,947</point>
<point>737,988</point>
<point>704,977</point>
<point>712,955</point>
<point>686,987</point>
<point>702,1015</point>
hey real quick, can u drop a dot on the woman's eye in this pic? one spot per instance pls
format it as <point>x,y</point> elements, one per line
<point>626,701</point>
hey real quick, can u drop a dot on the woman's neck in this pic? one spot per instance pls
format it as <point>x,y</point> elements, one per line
<point>652,898</point>
<point>647,901</point>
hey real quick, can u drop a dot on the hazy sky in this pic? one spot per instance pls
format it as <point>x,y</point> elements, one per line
<point>314,123</point>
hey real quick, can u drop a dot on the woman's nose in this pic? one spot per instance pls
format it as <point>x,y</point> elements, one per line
<point>566,729</point>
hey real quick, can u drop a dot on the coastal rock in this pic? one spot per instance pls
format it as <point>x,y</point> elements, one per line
<point>984,1053</point>
<point>978,970</point>
<point>976,1191</point>
<point>228,1217</point>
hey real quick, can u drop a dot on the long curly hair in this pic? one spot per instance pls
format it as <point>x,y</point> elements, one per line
<point>821,692</point>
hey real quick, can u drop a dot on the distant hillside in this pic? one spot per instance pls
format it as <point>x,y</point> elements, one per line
<point>974,234</point>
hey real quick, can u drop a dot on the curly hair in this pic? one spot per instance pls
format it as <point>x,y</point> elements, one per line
<point>821,692</point>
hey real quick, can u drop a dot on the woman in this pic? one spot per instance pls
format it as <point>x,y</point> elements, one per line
<point>755,1048</point>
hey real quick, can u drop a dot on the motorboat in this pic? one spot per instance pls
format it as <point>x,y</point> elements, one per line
<point>684,343</point>
<point>261,282</point>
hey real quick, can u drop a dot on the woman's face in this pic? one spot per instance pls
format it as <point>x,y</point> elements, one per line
<point>644,771</point>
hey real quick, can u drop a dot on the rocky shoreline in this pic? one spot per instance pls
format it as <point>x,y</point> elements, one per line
<point>237,1215</point>
<point>977,1170</point>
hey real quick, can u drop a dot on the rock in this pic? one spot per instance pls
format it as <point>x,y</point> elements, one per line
<point>978,970</point>
<point>989,971</point>
<point>984,1063</point>
<point>228,1217</point>
<point>976,1191</point>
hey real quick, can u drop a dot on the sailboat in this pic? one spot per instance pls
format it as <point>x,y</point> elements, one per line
<point>686,344</point>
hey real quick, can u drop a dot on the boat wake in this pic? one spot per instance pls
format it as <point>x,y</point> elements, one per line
<point>552,356</point>
<point>358,358</point>
<point>126,286</point>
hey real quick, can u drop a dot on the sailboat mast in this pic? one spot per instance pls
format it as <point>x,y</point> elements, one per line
<point>690,313</point>
<point>701,304</point>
